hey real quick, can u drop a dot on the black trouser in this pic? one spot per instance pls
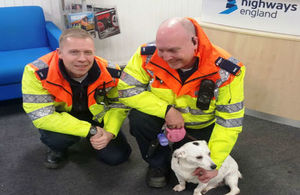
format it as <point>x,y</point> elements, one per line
<point>117,151</point>
<point>145,129</point>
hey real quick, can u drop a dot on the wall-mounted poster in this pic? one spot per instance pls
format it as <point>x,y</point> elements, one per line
<point>83,20</point>
<point>106,22</point>
<point>279,16</point>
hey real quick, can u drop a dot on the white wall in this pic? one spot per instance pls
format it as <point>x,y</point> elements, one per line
<point>139,20</point>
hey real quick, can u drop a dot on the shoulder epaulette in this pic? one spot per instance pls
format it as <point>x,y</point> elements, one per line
<point>148,49</point>
<point>42,73</point>
<point>115,73</point>
<point>228,65</point>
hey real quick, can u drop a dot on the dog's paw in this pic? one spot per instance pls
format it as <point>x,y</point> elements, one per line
<point>197,192</point>
<point>234,192</point>
<point>207,188</point>
<point>179,188</point>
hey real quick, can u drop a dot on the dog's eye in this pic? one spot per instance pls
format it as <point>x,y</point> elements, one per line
<point>208,154</point>
<point>199,157</point>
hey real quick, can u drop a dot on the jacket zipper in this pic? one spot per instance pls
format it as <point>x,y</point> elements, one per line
<point>178,79</point>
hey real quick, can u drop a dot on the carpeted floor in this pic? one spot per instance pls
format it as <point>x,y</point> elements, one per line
<point>267,153</point>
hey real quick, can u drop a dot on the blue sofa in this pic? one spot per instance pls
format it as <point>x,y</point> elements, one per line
<point>24,37</point>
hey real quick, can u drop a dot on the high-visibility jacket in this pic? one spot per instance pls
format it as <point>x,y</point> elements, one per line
<point>47,98</point>
<point>149,85</point>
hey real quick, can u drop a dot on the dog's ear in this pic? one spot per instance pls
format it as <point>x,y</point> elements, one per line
<point>179,154</point>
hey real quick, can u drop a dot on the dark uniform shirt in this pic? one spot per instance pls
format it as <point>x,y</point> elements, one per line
<point>184,75</point>
<point>80,108</point>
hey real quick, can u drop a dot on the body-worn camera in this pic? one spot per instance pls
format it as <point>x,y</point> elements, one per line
<point>205,94</point>
<point>100,96</point>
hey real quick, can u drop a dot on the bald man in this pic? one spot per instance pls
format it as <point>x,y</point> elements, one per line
<point>183,81</point>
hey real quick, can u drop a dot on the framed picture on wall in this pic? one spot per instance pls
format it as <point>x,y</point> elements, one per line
<point>83,20</point>
<point>106,22</point>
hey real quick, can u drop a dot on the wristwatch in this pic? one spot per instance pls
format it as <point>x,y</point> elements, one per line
<point>93,131</point>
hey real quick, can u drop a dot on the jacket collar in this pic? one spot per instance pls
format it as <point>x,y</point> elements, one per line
<point>92,76</point>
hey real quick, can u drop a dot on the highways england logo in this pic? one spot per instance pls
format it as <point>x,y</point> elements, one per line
<point>259,8</point>
<point>231,7</point>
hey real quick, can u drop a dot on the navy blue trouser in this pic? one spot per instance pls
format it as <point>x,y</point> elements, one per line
<point>145,129</point>
<point>117,151</point>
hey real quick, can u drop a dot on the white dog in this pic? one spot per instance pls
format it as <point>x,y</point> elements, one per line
<point>196,154</point>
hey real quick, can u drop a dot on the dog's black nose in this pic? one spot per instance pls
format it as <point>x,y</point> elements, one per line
<point>213,166</point>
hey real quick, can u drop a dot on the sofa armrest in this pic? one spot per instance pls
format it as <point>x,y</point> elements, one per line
<point>53,33</point>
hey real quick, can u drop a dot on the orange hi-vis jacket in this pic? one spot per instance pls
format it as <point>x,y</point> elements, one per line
<point>47,98</point>
<point>149,85</point>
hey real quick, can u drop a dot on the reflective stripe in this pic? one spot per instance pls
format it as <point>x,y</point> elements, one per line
<point>42,112</point>
<point>150,72</point>
<point>192,111</point>
<point>148,58</point>
<point>233,60</point>
<point>106,108</point>
<point>130,92</point>
<point>30,98</point>
<point>40,64</point>
<point>231,107</point>
<point>108,89</point>
<point>113,99</point>
<point>237,122</point>
<point>224,77</point>
<point>101,114</point>
<point>118,106</point>
<point>197,123</point>
<point>130,80</point>
<point>111,65</point>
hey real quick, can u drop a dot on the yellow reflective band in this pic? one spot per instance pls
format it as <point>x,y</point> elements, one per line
<point>31,98</point>
<point>42,112</point>
<point>130,80</point>
<point>192,111</point>
<point>237,122</point>
<point>231,107</point>
<point>40,64</point>
<point>130,92</point>
<point>118,105</point>
<point>197,123</point>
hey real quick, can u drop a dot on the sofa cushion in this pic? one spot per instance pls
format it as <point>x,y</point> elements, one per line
<point>12,63</point>
<point>22,28</point>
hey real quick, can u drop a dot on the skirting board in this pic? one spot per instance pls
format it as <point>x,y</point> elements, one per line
<point>273,118</point>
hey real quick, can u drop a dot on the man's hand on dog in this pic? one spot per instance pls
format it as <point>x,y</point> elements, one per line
<point>101,139</point>
<point>174,119</point>
<point>204,175</point>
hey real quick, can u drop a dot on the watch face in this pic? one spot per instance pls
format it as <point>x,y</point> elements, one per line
<point>93,130</point>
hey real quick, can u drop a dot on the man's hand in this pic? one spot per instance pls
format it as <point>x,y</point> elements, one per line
<point>101,139</point>
<point>204,175</point>
<point>174,119</point>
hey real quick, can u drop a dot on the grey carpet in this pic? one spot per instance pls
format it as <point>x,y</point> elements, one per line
<point>267,153</point>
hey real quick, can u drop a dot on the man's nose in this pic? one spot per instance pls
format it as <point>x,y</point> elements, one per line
<point>82,56</point>
<point>166,56</point>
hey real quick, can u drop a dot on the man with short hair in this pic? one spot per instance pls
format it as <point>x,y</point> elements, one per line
<point>183,81</point>
<point>71,93</point>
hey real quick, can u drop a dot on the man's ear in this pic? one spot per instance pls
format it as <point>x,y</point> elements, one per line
<point>179,153</point>
<point>195,40</point>
<point>59,53</point>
